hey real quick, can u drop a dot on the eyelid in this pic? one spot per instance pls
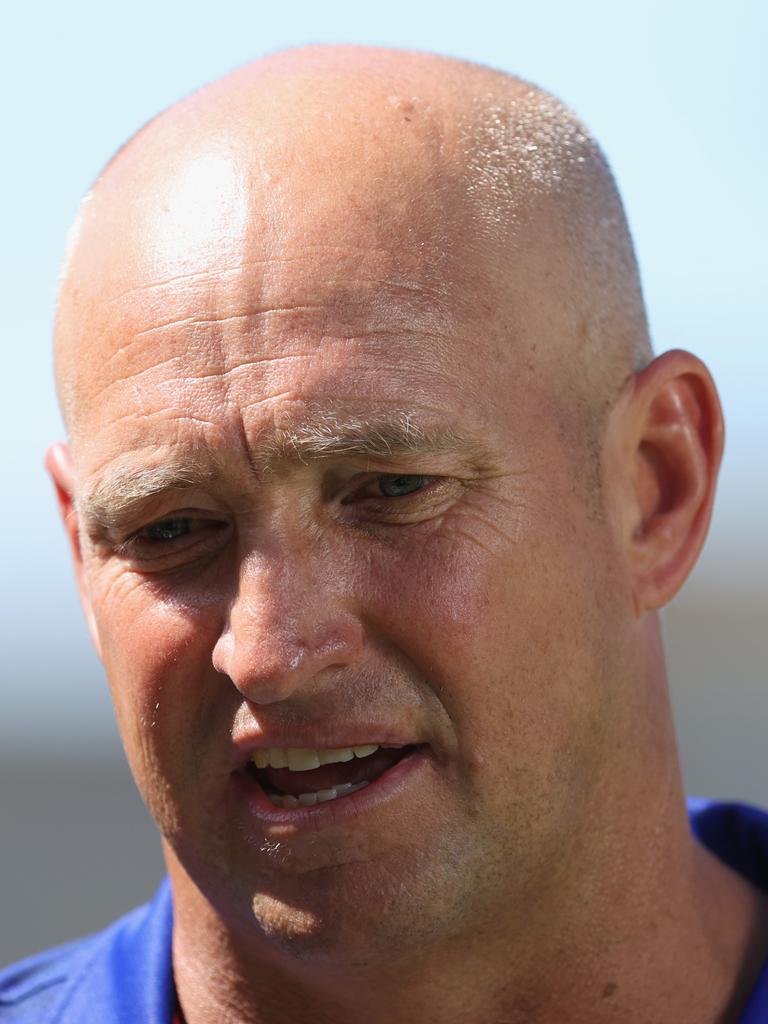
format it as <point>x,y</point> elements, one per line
<point>143,550</point>
<point>132,515</point>
<point>358,486</point>
<point>419,507</point>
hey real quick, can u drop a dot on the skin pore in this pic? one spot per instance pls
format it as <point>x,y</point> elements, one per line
<point>331,269</point>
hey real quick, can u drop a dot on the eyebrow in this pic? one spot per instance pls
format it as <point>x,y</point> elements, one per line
<point>362,439</point>
<point>122,491</point>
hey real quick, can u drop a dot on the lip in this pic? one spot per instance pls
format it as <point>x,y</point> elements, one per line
<point>390,786</point>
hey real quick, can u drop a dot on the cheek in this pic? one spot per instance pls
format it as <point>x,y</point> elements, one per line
<point>463,592</point>
<point>509,631</point>
<point>156,648</point>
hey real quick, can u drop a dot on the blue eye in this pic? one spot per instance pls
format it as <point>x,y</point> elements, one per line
<point>166,530</point>
<point>392,486</point>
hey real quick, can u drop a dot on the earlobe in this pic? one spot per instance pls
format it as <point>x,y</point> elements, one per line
<point>675,452</point>
<point>60,466</point>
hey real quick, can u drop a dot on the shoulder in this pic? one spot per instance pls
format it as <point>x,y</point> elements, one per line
<point>31,986</point>
<point>100,977</point>
<point>736,833</point>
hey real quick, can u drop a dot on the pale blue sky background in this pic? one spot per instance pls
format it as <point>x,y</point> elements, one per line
<point>676,93</point>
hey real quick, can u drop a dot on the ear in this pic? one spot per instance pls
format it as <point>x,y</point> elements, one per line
<point>673,443</point>
<point>60,466</point>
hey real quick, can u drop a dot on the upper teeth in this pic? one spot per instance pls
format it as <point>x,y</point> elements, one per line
<point>303,759</point>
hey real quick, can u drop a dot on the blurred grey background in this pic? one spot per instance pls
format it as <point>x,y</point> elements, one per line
<point>676,93</point>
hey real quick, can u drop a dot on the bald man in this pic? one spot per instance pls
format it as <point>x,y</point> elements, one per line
<point>374,492</point>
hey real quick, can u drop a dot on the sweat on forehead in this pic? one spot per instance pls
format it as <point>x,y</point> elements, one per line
<point>432,176</point>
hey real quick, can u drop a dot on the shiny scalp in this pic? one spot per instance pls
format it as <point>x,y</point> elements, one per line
<point>515,159</point>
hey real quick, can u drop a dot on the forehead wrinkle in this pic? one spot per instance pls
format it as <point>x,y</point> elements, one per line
<point>401,303</point>
<point>202,277</point>
<point>275,257</point>
<point>249,314</point>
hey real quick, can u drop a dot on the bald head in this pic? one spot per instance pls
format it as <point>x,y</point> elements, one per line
<point>458,190</point>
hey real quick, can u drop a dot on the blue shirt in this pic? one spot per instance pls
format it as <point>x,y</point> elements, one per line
<point>123,975</point>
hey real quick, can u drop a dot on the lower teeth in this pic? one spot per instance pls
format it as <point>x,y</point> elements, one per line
<point>320,797</point>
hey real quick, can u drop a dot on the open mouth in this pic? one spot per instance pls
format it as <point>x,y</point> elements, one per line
<point>303,776</point>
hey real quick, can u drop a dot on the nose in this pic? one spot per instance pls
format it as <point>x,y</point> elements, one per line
<point>283,629</point>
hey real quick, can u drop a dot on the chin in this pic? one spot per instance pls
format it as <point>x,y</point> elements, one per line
<point>337,918</point>
<point>335,938</point>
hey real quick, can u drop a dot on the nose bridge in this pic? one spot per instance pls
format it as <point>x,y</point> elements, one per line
<point>285,623</point>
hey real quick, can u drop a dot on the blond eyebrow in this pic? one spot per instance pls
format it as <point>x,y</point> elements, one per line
<point>122,491</point>
<point>327,438</point>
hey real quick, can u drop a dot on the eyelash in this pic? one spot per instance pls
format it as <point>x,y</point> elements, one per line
<point>392,477</point>
<point>138,545</point>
